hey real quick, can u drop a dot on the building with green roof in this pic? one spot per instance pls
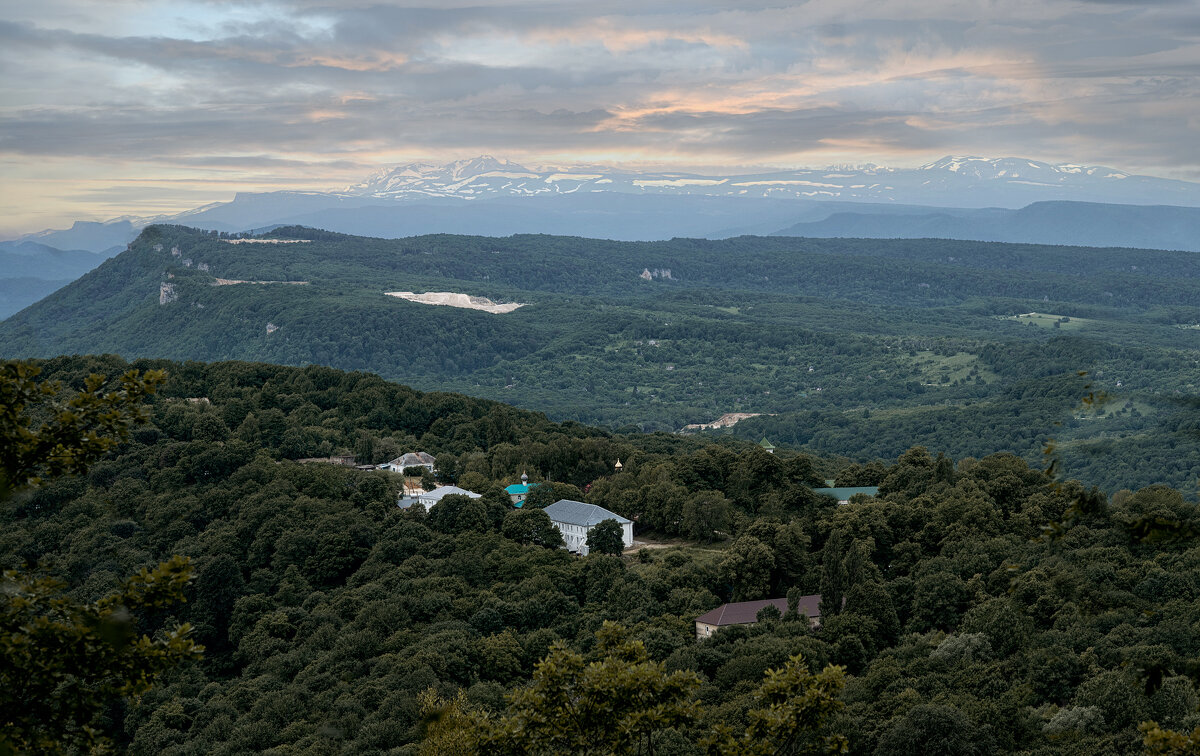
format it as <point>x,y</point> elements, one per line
<point>518,491</point>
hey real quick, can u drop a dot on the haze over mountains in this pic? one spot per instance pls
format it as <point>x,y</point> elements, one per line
<point>581,199</point>
<point>1001,199</point>
<point>32,270</point>
<point>1089,224</point>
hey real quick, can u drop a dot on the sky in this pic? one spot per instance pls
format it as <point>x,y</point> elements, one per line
<point>141,107</point>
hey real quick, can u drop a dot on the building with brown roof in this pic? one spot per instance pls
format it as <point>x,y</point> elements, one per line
<point>746,613</point>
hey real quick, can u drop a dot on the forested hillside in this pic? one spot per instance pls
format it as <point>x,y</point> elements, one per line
<point>327,612</point>
<point>851,347</point>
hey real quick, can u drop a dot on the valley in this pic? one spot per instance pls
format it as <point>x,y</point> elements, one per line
<point>859,348</point>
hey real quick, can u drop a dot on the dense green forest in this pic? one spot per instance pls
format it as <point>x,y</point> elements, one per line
<point>860,348</point>
<point>328,613</point>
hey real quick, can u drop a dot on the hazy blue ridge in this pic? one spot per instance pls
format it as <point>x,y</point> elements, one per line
<point>1070,223</point>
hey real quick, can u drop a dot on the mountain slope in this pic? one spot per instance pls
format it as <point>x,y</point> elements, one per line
<point>874,342</point>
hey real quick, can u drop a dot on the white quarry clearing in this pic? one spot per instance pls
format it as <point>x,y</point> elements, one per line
<point>452,299</point>
<point>728,420</point>
<point>235,281</point>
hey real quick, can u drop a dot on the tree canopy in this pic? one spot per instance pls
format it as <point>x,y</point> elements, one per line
<point>333,620</point>
<point>606,537</point>
<point>64,662</point>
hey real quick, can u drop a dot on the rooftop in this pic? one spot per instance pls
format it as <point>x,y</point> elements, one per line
<point>579,513</point>
<point>746,612</point>
<point>437,493</point>
<point>413,459</point>
<point>520,488</point>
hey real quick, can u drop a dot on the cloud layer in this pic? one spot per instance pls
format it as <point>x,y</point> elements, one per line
<point>138,103</point>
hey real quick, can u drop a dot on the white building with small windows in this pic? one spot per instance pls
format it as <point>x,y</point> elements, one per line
<point>428,498</point>
<point>412,459</point>
<point>575,519</point>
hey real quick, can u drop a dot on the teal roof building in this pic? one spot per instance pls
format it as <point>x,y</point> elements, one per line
<point>518,491</point>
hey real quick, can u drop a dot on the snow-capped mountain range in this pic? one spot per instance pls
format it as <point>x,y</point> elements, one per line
<point>490,196</point>
<point>951,181</point>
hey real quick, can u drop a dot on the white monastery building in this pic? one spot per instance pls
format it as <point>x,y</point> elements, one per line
<point>427,499</point>
<point>575,520</point>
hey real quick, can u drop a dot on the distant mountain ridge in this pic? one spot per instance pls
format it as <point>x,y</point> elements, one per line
<point>994,199</point>
<point>951,181</point>
<point>107,238</point>
<point>32,270</point>
<point>1070,223</point>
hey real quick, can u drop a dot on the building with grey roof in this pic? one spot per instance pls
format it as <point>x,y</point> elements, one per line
<point>411,459</point>
<point>575,519</point>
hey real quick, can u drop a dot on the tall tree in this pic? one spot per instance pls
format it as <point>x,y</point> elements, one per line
<point>833,575</point>
<point>793,715</point>
<point>704,514</point>
<point>459,513</point>
<point>531,526</point>
<point>607,537</point>
<point>747,568</point>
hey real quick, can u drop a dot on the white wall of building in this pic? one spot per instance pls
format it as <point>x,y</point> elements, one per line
<point>575,536</point>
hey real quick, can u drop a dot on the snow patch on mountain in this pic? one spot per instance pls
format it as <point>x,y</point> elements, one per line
<point>954,180</point>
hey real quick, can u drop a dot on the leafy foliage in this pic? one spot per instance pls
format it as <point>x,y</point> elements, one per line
<point>794,709</point>
<point>62,662</point>
<point>1160,742</point>
<point>68,435</point>
<point>65,662</point>
<point>622,701</point>
<point>615,704</point>
<point>606,538</point>
<point>328,612</point>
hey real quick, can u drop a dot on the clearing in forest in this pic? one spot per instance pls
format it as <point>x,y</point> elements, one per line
<point>728,420</point>
<point>1049,320</point>
<point>452,299</point>
<point>232,281</point>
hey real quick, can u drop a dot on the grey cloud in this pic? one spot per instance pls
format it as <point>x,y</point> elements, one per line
<point>788,131</point>
<point>897,78</point>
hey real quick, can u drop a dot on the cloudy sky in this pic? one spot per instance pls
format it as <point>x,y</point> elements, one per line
<point>148,106</point>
